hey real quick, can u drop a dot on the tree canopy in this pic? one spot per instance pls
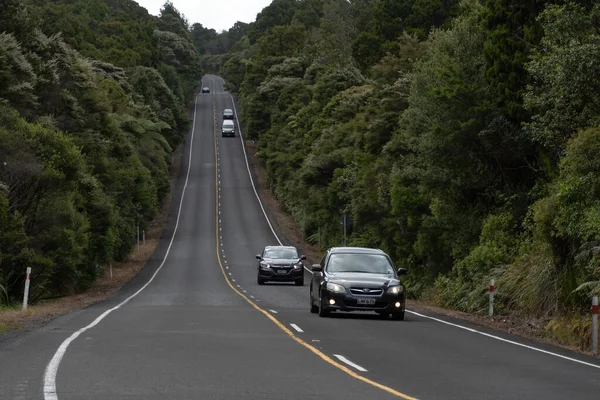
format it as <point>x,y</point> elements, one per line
<point>459,136</point>
<point>93,99</point>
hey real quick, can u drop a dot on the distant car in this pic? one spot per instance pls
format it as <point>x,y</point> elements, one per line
<point>228,113</point>
<point>205,90</point>
<point>280,264</point>
<point>357,279</point>
<point>228,128</point>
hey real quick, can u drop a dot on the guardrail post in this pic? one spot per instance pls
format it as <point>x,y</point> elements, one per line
<point>26,294</point>
<point>491,310</point>
<point>595,325</point>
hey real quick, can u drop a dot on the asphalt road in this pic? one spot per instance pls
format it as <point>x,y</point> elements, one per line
<point>193,334</point>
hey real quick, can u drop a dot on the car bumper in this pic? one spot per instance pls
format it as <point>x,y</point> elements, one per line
<point>228,133</point>
<point>349,302</point>
<point>289,276</point>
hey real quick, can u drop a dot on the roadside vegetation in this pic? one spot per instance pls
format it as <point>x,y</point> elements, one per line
<point>93,103</point>
<point>462,137</point>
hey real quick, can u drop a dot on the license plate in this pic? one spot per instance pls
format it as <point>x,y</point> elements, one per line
<point>366,301</point>
<point>281,271</point>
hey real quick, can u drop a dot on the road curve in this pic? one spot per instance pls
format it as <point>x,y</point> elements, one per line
<point>202,328</point>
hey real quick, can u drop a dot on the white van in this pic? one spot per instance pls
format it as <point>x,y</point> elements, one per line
<point>228,128</point>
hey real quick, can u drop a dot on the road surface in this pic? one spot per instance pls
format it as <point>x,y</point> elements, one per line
<point>194,324</point>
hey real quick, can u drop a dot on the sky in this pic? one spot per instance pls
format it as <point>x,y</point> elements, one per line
<point>216,14</point>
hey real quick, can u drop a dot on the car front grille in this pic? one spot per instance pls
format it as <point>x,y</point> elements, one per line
<point>366,291</point>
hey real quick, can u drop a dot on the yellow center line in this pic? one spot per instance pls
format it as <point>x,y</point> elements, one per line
<point>316,351</point>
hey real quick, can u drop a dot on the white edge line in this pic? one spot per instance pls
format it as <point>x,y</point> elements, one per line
<point>350,363</point>
<point>412,312</point>
<point>252,180</point>
<point>273,311</point>
<point>52,367</point>
<point>296,327</point>
<point>241,136</point>
<point>505,340</point>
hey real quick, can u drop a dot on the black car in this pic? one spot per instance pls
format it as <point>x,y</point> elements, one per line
<point>357,279</point>
<point>205,90</point>
<point>280,264</point>
<point>228,113</point>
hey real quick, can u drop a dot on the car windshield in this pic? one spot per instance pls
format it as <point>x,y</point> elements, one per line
<point>362,263</point>
<point>281,253</point>
<point>228,111</point>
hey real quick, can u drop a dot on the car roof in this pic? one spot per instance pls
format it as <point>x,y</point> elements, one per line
<point>228,122</point>
<point>356,250</point>
<point>228,109</point>
<point>280,247</point>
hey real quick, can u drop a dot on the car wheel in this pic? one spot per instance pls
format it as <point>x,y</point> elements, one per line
<point>260,280</point>
<point>323,311</point>
<point>313,308</point>
<point>398,316</point>
<point>384,315</point>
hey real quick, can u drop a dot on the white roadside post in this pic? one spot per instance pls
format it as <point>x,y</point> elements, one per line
<point>491,311</point>
<point>26,294</point>
<point>595,325</point>
<point>138,237</point>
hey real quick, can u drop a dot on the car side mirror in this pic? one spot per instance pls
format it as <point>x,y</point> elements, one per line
<point>258,257</point>
<point>402,271</point>
<point>303,257</point>
<point>317,268</point>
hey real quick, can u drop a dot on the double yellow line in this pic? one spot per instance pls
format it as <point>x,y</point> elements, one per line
<point>316,351</point>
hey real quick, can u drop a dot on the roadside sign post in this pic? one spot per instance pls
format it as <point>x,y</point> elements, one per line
<point>595,325</point>
<point>491,310</point>
<point>344,229</point>
<point>26,294</point>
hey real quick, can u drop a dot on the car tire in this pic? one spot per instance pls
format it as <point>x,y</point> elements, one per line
<point>323,311</point>
<point>384,315</point>
<point>260,280</point>
<point>313,308</point>
<point>398,316</point>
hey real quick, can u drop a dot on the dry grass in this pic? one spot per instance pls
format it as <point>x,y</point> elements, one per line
<point>14,318</point>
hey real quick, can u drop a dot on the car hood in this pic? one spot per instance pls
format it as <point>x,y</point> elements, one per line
<point>357,279</point>
<point>281,261</point>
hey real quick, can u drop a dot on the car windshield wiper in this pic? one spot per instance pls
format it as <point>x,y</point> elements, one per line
<point>361,272</point>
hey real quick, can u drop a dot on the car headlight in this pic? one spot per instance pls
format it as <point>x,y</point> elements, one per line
<point>334,287</point>
<point>265,265</point>
<point>395,290</point>
<point>298,266</point>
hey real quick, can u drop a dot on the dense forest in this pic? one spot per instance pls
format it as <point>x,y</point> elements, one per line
<point>94,98</point>
<point>462,137</point>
